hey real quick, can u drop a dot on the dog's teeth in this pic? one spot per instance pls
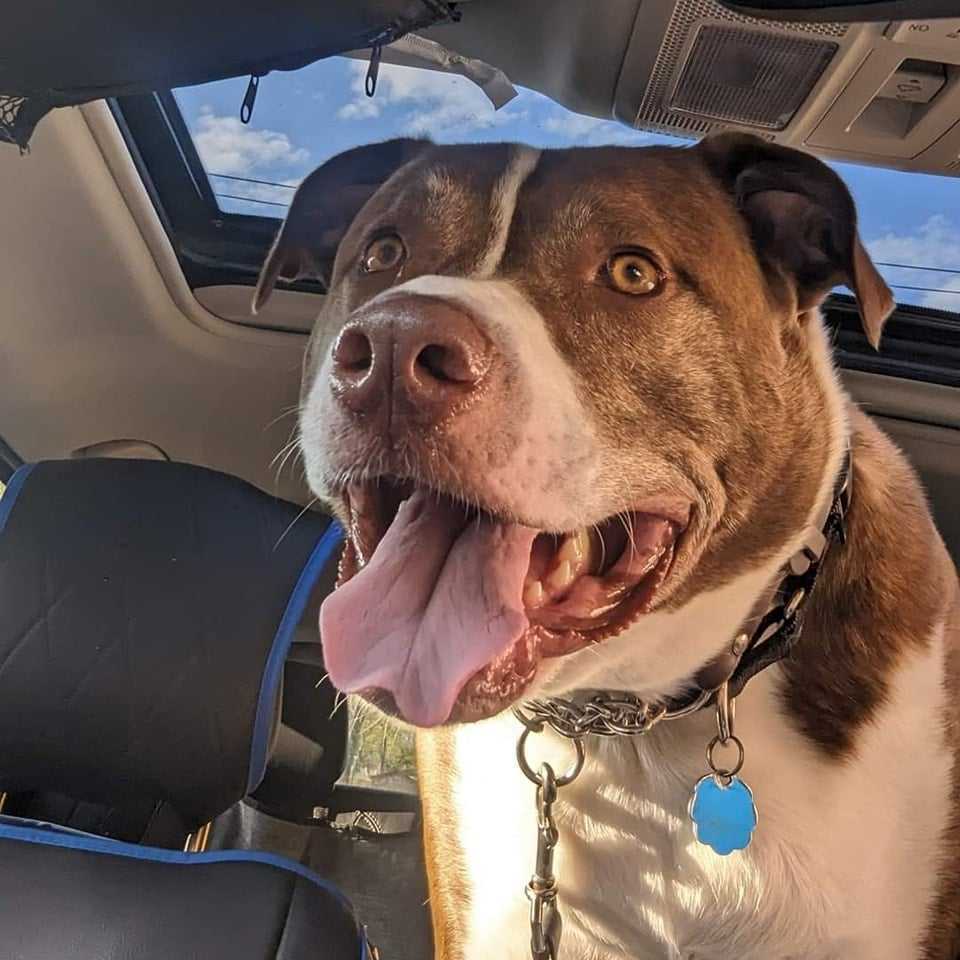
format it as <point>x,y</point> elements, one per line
<point>533,594</point>
<point>575,550</point>
<point>561,577</point>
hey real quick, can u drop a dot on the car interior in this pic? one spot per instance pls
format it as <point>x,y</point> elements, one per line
<point>177,775</point>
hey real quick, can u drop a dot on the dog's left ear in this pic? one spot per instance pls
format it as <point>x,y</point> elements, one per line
<point>803,222</point>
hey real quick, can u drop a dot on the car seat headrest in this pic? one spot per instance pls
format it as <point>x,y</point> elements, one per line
<point>146,609</point>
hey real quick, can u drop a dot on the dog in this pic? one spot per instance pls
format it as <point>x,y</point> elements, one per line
<point>577,411</point>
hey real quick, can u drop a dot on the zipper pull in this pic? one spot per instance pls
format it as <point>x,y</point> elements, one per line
<point>249,98</point>
<point>373,71</point>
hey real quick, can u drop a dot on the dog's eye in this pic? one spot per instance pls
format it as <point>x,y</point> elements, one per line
<point>630,271</point>
<point>386,252</point>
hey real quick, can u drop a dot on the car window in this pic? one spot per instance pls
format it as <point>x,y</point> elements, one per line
<point>909,221</point>
<point>380,752</point>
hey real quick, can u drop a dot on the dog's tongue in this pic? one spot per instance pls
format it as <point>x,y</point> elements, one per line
<point>437,601</point>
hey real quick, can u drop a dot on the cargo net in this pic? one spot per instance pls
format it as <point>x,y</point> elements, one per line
<point>18,117</point>
<point>9,111</point>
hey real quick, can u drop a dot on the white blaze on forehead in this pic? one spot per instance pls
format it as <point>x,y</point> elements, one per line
<point>503,205</point>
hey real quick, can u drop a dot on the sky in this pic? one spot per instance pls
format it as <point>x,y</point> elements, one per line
<point>302,118</point>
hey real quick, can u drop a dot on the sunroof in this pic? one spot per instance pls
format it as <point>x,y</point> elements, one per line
<point>302,118</point>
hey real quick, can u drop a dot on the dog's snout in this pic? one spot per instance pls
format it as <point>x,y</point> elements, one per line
<point>420,355</point>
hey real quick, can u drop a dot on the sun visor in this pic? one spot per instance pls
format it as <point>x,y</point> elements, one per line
<point>55,54</point>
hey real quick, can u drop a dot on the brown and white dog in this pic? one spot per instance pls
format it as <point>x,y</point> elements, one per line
<point>576,409</point>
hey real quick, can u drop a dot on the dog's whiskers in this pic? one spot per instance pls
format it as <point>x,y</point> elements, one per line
<point>603,547</point>
<point>284,450</point>
<point>291,447</point>
<point>292,451</point>
<point>286,412</point>
<point>624,518</point>
<point>338,701</point>
<point>313,502</point>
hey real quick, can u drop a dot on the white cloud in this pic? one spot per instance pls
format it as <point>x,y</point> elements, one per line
<point>360,109</point>
<point>935,244</point>
<point>574,126</point>
<point>452,119</point>
<point>577,129</point>
<point>226,145</point>
<point>445,106</point>
<point>436,104</point>
<point>944,300</point>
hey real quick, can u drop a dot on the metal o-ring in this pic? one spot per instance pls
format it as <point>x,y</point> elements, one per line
<point>724,772</point>
<point>535,777</point>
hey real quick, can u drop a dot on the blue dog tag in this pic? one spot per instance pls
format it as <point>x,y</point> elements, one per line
<point>724,816</point>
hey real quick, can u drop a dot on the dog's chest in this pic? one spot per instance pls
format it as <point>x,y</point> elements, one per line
<point>634,882</point>
<point>834,847</point>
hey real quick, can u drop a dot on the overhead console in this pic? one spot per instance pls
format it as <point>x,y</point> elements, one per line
<point>903,102</point>
<point>885,93</point>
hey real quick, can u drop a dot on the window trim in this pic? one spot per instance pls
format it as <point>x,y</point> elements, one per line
<point>214,247</point>
<point>918,343</point>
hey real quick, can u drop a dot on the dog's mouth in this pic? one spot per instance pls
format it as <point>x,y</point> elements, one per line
<point>444,611</point>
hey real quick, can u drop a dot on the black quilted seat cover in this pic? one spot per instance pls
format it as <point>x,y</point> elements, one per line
<point>64,896</point>
<point>141,611</point>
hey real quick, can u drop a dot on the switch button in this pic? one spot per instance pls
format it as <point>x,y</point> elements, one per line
<point>915,81</point>
<point>943,33</point>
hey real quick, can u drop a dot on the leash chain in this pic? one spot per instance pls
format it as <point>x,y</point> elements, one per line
<point>545,921</point>
<point>546,924</point>
<point>603,715</point>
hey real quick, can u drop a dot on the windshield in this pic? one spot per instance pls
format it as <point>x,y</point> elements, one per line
<point>302,118</point>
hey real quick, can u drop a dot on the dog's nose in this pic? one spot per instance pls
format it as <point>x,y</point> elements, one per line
<point>422,356</point>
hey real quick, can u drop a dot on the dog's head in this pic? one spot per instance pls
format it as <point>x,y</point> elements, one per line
<point>555,394</point>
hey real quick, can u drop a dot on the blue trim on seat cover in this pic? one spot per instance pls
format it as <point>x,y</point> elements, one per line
<point>10,495</point>
<point>53,837</point>
<point>270,683</point>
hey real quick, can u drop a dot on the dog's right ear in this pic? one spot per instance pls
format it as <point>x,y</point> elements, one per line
<point>323,208</point>
<point>803,222</point>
